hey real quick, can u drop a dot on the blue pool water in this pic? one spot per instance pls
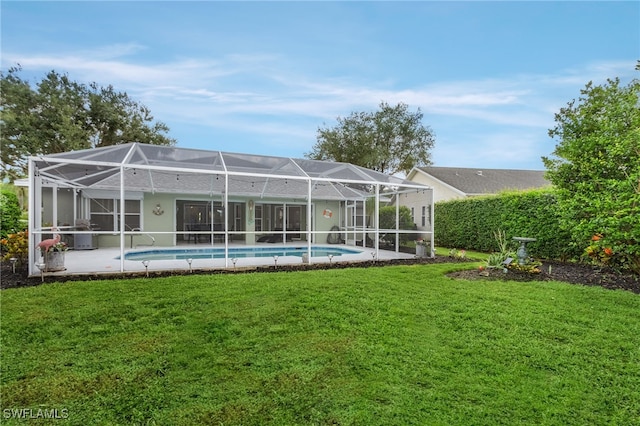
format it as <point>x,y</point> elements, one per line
<point>238,252</point>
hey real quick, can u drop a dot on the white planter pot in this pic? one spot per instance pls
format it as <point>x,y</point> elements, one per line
<point>421,251</point>
<point>54,261</point>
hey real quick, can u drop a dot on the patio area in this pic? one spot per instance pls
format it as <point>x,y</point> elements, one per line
<point>107,260</point>
<point>104,200</point>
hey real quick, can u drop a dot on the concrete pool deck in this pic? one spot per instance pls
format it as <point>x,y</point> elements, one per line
<point>106,260</point>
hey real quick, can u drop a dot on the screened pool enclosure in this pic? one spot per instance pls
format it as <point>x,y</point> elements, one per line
<point>135,196</point>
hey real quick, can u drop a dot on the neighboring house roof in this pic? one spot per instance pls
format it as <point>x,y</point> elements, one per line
<point>478,181</point>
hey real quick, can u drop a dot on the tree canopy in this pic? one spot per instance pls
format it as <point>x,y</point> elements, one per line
<point>596,168</point>
<point>390,140</point>
<point>60,115</point>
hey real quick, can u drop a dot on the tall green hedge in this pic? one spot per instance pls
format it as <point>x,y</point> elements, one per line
<point>470,223</point>
<point>9,213</point>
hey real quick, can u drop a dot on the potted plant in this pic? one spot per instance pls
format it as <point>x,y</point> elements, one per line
<point>54,257</point>
<point>421,248</point>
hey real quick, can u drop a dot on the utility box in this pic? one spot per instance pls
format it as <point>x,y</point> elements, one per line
<point>83,241</point>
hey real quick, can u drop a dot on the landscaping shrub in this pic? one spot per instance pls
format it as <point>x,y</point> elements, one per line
<point>595,168</point>
<point>16,246</point>
<point>471,223</point>
<point>9,213</point>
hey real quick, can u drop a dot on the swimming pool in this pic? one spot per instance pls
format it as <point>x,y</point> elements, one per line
<point>235,252</point>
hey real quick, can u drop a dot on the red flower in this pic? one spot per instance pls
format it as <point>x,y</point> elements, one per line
<point>608,251</point>
<point>596,237</point>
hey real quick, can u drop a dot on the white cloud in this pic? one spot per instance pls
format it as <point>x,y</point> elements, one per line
<point>113,51</point>
<point>260,94</point>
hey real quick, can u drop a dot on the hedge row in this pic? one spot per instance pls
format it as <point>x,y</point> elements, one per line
<point>9,213</point>
<point>471,223</point>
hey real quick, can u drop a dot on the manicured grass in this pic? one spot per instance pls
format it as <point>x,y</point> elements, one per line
<point>379,346</point>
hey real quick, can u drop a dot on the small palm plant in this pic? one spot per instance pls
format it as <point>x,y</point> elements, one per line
<point>505,251</point>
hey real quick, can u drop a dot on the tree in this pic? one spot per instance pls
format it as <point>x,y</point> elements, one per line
<point>390,140</point>
<point>597,171</point>
<point>117,119</point>
<point>60,115</point>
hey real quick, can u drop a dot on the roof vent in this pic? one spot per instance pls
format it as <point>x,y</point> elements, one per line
<point>479,172</point>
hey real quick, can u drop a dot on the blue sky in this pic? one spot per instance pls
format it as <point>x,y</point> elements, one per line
<point>261,77</point>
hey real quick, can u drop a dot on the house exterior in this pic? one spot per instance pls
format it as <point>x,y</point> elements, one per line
<point>135,194</point>
<point>458,182</point>
<point>450,183</point>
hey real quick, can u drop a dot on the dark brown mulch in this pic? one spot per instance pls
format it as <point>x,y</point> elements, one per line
<point>566,272</point>
<point>9,279</point>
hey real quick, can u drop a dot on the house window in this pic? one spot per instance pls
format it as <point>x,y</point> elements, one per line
<point>105,214</point>
<point>424,215</point>
<point>413,214</point>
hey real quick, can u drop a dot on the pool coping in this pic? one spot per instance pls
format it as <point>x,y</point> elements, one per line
<point>105,261</point>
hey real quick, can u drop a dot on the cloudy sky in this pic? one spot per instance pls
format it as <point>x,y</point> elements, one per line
<point>261,77</point>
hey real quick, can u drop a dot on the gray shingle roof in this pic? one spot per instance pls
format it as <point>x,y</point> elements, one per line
<point>487,181</point>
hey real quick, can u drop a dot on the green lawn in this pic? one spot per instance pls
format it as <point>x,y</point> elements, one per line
<point>398,345</point>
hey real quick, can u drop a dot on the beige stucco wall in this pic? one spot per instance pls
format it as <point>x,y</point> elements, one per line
<point>323,224</point>
<point>160,227</point>
<point>65,207</point>
<point>155,224</point>
<point>416,201</point>
<point>442,192</point>
<point>151,224</point>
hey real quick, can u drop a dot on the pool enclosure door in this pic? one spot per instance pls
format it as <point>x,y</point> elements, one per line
<point>355,223</point>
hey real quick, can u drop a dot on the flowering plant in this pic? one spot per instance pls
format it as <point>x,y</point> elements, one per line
<point>16,246</point>
<point>530,267</point>
<point>421,242</point>
<point>457,254</point>
<point>59,247</point>
<point>598,250</point>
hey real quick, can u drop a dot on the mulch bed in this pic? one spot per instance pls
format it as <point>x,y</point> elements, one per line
<point>566,272</point>
<point>20,278</point>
